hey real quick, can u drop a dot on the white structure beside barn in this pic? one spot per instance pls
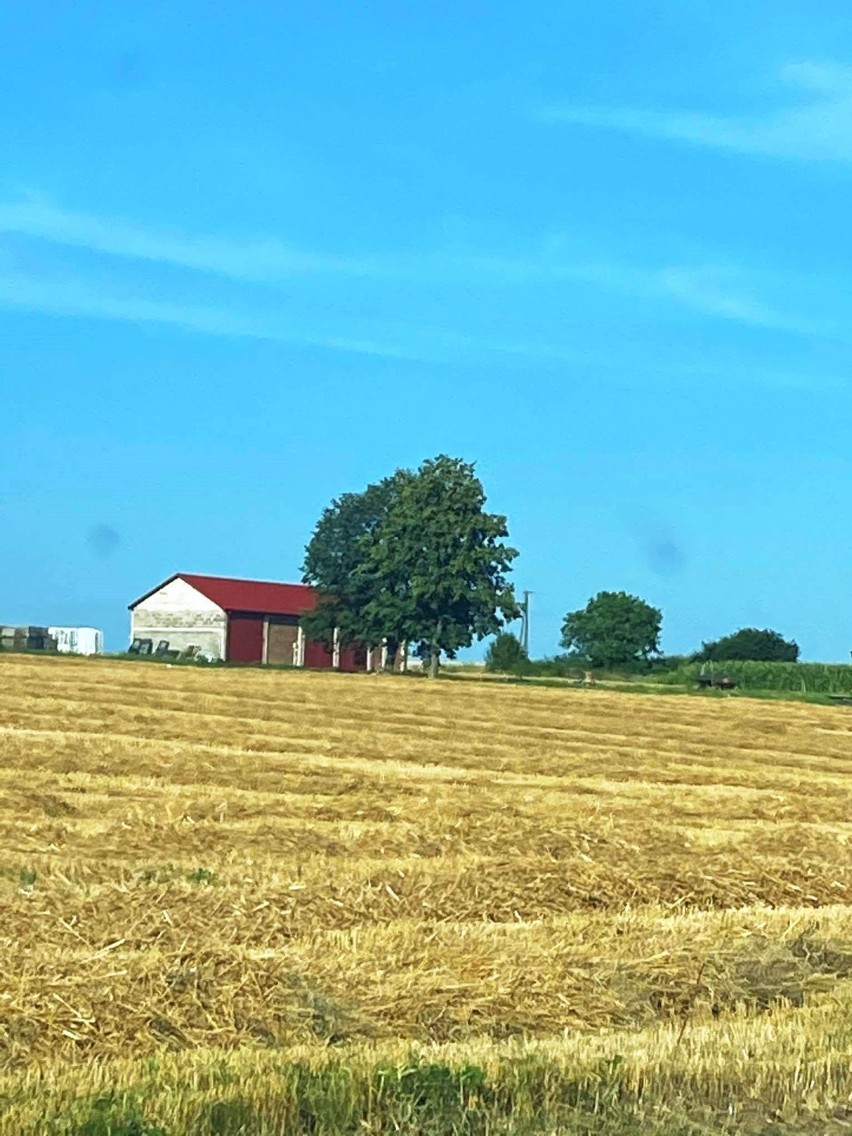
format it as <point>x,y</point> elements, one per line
<point>67,640</point>
<point>78,640</point>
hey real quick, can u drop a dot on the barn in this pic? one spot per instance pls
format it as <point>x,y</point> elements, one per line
<point>240,621</point>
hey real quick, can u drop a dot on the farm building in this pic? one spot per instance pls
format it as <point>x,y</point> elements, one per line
<point>78,640</point>
<point>240,621</point>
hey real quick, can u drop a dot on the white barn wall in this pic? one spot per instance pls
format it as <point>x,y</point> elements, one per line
<point>180,613</point>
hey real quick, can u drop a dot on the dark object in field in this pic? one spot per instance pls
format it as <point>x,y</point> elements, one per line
<point>141,647</point>
<point>722,683</point>
<point>846,699</point>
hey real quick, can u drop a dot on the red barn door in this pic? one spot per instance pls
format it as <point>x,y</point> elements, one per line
<point>245,639</point>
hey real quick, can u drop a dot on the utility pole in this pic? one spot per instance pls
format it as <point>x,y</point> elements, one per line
<point>525,625</point>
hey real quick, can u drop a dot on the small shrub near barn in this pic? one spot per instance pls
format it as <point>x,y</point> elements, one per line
<point>506,655</point>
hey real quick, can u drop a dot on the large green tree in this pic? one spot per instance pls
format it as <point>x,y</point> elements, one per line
<point>415,559</point>
<point>613,629</point>
<point>750,643</point>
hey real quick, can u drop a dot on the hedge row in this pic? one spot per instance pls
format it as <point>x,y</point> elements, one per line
<point>805,678</point>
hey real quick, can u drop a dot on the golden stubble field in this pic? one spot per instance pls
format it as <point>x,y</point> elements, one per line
<point>213,865</point>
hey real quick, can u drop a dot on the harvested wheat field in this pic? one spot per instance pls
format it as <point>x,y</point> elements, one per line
<point>267,902</point>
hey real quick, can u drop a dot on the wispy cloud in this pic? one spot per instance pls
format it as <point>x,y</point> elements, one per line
<point>817,126</point>
<point>261,260</point>
<point>289,312</point>
<point>70,297</point>
<point>722,291</point>
<point>726,293</point>
<point>265,260</point>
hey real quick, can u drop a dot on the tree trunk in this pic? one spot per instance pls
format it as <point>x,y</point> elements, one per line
<point>435,650</point>
<point>392,653</point>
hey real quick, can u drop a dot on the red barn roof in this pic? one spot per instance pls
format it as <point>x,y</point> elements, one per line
<point>262,596</point>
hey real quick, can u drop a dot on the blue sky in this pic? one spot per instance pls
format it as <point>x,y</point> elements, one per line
<point>253,256</point>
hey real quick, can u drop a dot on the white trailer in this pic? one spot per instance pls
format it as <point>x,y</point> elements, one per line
<point>78,640</point>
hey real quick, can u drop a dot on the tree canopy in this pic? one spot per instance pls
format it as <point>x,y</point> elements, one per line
<point>334,563</point>
<point>752,644</point>
<point>613,629</point>
<point>414,558</point>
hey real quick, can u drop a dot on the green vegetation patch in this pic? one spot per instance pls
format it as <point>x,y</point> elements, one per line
<point>793,678</point>
<point>524,1096</point>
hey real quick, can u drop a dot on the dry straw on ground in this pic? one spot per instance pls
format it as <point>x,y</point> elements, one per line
<point>221,863</point>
